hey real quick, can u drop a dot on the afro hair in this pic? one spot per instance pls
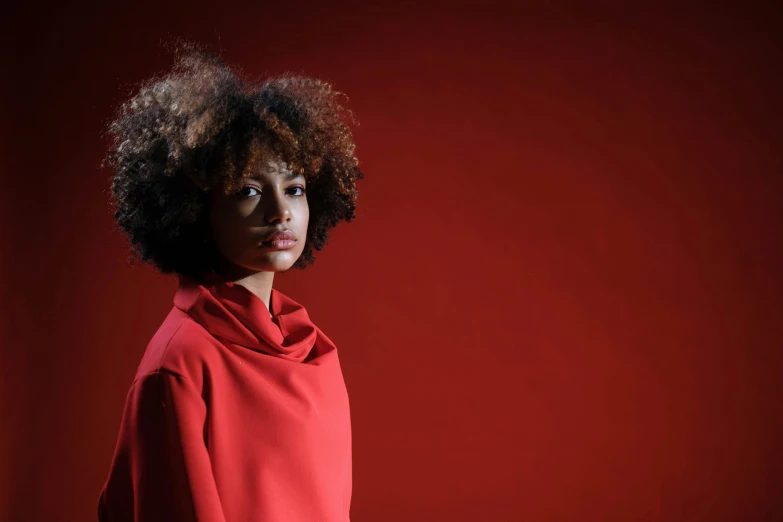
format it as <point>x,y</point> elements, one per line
<point>192,130</point>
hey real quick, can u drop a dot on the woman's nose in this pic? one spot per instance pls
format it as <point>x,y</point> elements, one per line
<point>276,207</point>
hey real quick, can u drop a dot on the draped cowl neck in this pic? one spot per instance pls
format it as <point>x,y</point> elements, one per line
<point>233,313</point>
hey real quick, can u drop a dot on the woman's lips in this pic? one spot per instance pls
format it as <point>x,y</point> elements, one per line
<point>278,244</point>
<point>279,240</point>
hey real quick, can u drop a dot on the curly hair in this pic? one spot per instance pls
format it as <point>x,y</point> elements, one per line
<point>194,129</point>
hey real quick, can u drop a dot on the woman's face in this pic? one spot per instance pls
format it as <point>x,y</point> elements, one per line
<point>272,199</point>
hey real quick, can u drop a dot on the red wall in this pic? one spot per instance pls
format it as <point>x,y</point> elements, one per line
<point>561,299</point>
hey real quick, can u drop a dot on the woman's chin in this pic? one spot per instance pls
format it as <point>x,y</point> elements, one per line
<point>275,262</point>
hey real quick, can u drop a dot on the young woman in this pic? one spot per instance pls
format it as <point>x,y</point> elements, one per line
<point>238,411</point>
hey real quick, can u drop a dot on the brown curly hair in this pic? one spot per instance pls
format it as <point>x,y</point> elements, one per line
<point>194,129</point>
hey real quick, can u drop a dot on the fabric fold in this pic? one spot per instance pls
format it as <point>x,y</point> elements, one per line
<point>234,313</point>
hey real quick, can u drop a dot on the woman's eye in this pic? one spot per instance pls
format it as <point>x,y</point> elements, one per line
<point>244,191</point>
<point>248,192</point>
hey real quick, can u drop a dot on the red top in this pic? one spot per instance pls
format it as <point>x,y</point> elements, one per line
<point>232,418</point>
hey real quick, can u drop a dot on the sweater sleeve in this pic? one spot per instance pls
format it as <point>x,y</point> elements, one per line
<point>161,469</point>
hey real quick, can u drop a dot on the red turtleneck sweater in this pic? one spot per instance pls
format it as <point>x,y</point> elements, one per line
<point>232,418</point>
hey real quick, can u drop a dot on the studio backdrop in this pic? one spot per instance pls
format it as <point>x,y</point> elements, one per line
<point>560,299</point>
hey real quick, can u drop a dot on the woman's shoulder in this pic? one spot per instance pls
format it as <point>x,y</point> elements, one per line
<point>181,346</point>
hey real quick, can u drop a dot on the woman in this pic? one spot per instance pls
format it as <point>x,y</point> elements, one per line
<point>238,410</point>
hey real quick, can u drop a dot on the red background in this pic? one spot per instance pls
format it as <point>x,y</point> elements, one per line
<point>561,299</point>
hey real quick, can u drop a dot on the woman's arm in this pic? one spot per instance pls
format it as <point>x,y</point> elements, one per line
<point>161,469</point>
